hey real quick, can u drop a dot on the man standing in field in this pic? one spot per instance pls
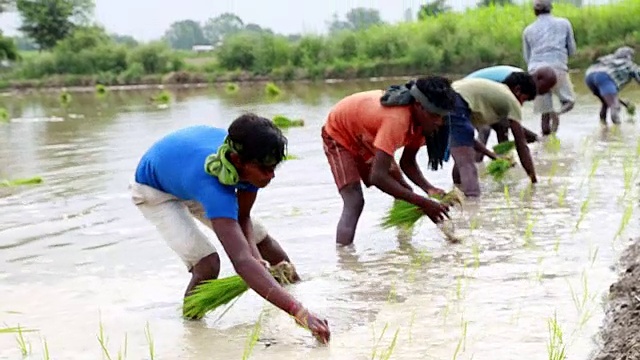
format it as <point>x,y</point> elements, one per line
<point>364,130</point>
<point>549,41</point>
<point>479,103</point>
<point>545,79</point>
<point>214,175</point>
<point>608,76</point>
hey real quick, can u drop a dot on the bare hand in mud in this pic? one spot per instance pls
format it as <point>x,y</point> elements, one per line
<point>436,211</point>
<point>318,327</point>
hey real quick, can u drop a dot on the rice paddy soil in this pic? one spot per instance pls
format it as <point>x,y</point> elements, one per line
<point>620,336</point>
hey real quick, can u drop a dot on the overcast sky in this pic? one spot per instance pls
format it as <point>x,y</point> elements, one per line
<point>147,20</point>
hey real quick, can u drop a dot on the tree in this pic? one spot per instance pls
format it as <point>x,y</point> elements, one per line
<point>49,21</point>
<point>494,2</point>
<point>127,40</point>
<point>24,43</point>
<point>184,35</point>
<point>408,15</point>
<point>433,8</point>
<point>216,29</point>
<point>257,29</point>
<point>361,18</point>
<point>337,25</point>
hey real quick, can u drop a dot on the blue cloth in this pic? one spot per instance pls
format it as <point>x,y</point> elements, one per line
<point>495,73</point>
<point>462,132</point>
<point>600,83</point>
<point>175,165</point>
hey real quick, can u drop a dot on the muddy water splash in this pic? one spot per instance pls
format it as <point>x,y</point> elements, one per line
<point>74,252</point>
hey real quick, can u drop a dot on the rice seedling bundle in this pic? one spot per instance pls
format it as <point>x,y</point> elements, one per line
<point>403,214</point>
<point>504,147</point>
<point>212,294</point>
<point>17,182</point>
<point>282,121</point>
<point>631,109</point>
<point>498,168</point>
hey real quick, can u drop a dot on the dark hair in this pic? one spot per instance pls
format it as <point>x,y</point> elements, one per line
<point>524,81</point>
<point>541,11</point>
<point>257,139</point>
<point>438,90</point>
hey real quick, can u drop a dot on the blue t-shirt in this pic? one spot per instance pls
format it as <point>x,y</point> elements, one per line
<point>175,165</point>
<point>495,73</point>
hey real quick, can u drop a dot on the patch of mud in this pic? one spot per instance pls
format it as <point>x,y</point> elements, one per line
<point>619,337</point>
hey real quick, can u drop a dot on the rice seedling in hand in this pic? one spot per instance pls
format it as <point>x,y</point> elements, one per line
<point>402,214</point>
<point>504,148</point>
<point>284,122</point>
<point>498,168</point>
<point>453,197</point>
<point>19,182</point>
<point>212,294</point>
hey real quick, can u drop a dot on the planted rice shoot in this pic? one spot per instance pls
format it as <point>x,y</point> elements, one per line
<point>23,345</point>
<point>147,334</point>
<point>212,294</point>
<point>252,339</point>
<point>231,88</point>
<point>101,89</point>
<point>163,98</point>
<point>65,97</point>
<point>553,144</point>
<point>19,182</point>
<point>555,346</point>
<point>284,122</point>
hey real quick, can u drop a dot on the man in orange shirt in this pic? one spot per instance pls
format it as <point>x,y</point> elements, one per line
<point>363,132</point>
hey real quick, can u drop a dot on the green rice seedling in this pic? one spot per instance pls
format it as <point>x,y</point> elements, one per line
<point>411,321</point>
<point>19,182</point>
<point>45,350</point>
<point>284,122</point>
<point>212,294</point>
<point>593,254</point>
<point>562,195</point>
<point>4,115</point>
<point>498,168</point>
<point>101,89</point>
<point>504,148</point>
<point>252,339</point>
<point>553,171</point>
<point>507,196</point>
<point>463,339</point>
<point>272,89</point>
<point>65,98</point>
<point>540,271</point>
<point>451,198</point>
<point>475,250</point>
<point>291,157</point>
<point>231,88</point>
<point>631,108</point>
<point>626,217</point>
<point>377,342</point>
<point>584,208</point>
<point>553,144</point>
<point>526,192</point>
<point>163,98</point>
<point>147,334</point>
<point>627,170</point>
<point>556,245</point>
<point>122,354</point>
<point>103,341</point>
<point>402,214</point>
<point>528,231</point>
<point>393,295</point>
<point>386,354</point>
<point>594,166</point>
<point>473,223</point>
<point>555,346</point>
<point>23,345</point>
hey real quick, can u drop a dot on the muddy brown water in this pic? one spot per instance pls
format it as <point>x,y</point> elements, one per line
<point>75,254</point>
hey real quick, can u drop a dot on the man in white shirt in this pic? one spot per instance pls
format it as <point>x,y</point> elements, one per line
<point>549,41</point>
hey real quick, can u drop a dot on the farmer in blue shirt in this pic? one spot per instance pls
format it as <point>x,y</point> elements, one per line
<point>545,79</point>
<point>607,76</point>
<point>214,175</point>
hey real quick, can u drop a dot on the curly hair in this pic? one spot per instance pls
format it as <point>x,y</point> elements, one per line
<point>258,139</point>
<point>438,90</point>
<point>523,80</point>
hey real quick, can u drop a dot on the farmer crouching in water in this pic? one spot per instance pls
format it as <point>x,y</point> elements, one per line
<point>214,175</point>
<point>481,102</point>
<point>608,76</point>
<point>363,132</point>
<point>545,79</point>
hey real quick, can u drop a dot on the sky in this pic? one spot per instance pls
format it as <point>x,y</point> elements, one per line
<point>147,20</point>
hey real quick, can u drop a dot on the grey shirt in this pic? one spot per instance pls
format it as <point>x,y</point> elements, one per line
<point>548,41</point>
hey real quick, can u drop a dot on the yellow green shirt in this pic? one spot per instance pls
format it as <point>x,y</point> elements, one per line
<point>490,102</point>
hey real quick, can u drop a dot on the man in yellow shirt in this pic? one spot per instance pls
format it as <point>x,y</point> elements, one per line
<point>479,103</point>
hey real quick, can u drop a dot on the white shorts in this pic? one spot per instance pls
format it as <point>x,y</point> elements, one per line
<point>543,104</point>
<point>174,219</point>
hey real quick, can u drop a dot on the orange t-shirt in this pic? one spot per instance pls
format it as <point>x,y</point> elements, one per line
<point>361,124</point>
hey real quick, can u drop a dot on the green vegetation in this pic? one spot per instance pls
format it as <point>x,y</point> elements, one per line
<point>359,46</point>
